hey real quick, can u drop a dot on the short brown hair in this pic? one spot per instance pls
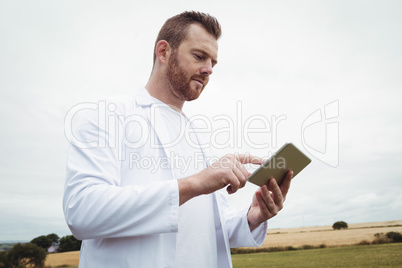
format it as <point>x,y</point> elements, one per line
<point>174,31</point>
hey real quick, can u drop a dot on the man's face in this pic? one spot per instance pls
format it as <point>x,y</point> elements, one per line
<point>190,65</point>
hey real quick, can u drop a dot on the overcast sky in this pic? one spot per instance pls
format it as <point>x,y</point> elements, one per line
<point>324,75</point>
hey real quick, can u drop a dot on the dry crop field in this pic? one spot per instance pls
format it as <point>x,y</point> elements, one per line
<point>295,237</point>
<point>316,236</point>
<point>61,259</point>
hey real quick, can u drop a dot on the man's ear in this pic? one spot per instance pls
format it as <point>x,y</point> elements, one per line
<point>162,51</point>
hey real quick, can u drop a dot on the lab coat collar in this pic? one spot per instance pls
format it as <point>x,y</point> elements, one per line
<point>143,98</point>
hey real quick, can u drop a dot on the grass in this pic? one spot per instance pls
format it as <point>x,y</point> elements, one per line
<point>383,255</point>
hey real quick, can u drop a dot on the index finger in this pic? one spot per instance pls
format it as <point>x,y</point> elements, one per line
<point>249,159</point>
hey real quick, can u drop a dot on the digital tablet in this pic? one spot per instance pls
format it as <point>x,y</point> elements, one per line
<point>288,157</point>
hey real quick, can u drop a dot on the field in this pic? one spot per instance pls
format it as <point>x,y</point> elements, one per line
<point>384,255</point>
<point>316,236</point>
<point>297,237</point>
<point>61,259</point>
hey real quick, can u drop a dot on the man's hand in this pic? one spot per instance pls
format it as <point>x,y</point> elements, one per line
<point>227,171</point>
<point>268,201</point>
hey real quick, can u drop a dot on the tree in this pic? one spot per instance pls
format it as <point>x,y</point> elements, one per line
<point>69,243</point>
<point>46,241</point>
<point>3,259</point>
<point>54,238</point>
<point>22,255</point>
<point>340,225</point>
<point>42,242</point>
<point>394,236</point>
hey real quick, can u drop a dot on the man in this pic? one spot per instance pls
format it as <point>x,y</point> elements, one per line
<point>132,214</point>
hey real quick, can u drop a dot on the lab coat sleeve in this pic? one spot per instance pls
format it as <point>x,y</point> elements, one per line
<point>94,203</point>
<point>238,230</point>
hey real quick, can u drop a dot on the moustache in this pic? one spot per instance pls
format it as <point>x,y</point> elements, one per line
<point>201,78</point>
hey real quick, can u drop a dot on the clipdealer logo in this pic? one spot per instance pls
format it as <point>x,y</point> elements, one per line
<point>320,134</point>
<point>256,131</point>
<point>319,131</point>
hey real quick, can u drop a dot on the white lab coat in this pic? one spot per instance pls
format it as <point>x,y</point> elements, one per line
<point>124,208</point>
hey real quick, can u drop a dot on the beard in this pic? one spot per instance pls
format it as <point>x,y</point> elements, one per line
<point>177,78</point>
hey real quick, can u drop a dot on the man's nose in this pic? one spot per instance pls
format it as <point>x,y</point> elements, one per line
<point>206,69</point>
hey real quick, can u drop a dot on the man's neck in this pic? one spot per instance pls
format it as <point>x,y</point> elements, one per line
<point>160,90</point>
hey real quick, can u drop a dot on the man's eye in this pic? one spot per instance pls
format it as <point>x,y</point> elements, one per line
<point>198,57</point>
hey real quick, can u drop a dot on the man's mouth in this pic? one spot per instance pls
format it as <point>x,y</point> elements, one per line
<point>199,81</point>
